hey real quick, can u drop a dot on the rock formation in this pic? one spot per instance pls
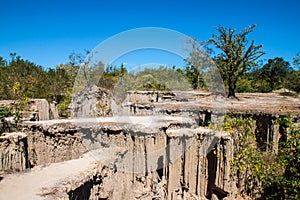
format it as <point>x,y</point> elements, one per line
<point>92,101</point>
<point>13,152</point>
<point>38,109</point>
<point>158,150</point>
<point>170,160</point>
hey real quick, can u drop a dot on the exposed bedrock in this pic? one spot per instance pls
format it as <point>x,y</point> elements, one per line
<point>50,144</point>
<point>159,157</point>
<point>173,164</point>
<point>13,152</point>
<point>92,101</point>
<point>38,109</point>
<point>156,151</point>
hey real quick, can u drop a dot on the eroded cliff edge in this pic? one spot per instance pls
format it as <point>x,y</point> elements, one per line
<point>168,159</point>
<point>157,151</point>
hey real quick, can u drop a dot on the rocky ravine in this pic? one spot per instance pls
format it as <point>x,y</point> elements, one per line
<point>166,159</point>
<point>156,151</point>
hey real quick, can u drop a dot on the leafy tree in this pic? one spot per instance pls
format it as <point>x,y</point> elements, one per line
<point>194,77</point>
<point>296,61</point>
<point>63,79</point>
<point>30,76</point>
<point>293,81</point>
<point>236,57</point>
<point>275,73</point>
<point>198,61</point>
<point>21,79</point>
<point>246,83</point>
<point>110,76</point>
<point>161,78</point>
<point>294,76</point>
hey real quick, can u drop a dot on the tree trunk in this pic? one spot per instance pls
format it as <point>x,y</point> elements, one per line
<point>231,88</point>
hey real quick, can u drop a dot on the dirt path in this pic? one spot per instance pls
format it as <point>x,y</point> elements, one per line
<point>29,185</point>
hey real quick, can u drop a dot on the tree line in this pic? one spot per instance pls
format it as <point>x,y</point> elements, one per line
<point>22,79</point>
<point>237,61</point>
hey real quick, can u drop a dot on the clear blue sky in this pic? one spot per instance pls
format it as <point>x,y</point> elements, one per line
<point>46,32</point>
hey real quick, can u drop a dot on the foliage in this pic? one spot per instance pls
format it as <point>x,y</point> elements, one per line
<point>21,80</point>
<point>285,184</point>
<point>111,76</point>
<point>62,78</point>
<point>198,62</point>
<point>8,126</point>
<point>149,79</point>
<point>248,163</point>
<point>19,105</point>
<point>235,62</point>
<point>161,78</point>
<point>246,84</point>
<point>266,175</point>
<point>236,57</point>
<point>32,78</point>
<point>194,77</point>
<point>3,114</point>
<point>274,73</point>
<point>296,61</point>
<point>293,81</point>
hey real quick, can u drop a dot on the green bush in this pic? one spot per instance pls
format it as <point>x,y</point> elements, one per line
<point>266,175</point>
<point>285,184</point>
<point>4,112</point>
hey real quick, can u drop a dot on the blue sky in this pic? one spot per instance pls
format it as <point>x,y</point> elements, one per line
<point>46,32</point>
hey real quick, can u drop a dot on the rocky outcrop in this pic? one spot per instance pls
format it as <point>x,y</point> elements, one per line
<point>50,144</point>
<point>184,164</point>
<point>92,101</point>
<point>38,109</point>
<point>167,158</point>
<point>13,152</point>
<point>42,107</point>
<point>53,110</point>
<point>155,151</point>
<point>61,180</point>
<point>39,145</point>
<point>159,157</point>
<point>150,96</point>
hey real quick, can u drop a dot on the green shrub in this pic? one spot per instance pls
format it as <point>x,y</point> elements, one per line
<point>266,175</point>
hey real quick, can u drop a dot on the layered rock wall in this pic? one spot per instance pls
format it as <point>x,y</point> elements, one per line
<point>52,144</point>
<point>38,109</point>
<point>13,152</point>
<point>39,146</point>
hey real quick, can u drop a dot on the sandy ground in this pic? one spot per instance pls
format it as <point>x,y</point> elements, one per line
<point>30,185</point>
<point>268,103</point>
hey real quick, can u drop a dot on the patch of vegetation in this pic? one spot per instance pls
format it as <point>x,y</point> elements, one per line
<point>284,182</point>
<point>5,125</point>
<point>266,175</point>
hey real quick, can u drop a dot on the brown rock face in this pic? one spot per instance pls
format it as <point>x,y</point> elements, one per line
<point>38,109</point>
<point>13,152</point>
<point>92,101</point>
<point>168,160</point>
<point>52,144</point>
<point>155,152</point>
